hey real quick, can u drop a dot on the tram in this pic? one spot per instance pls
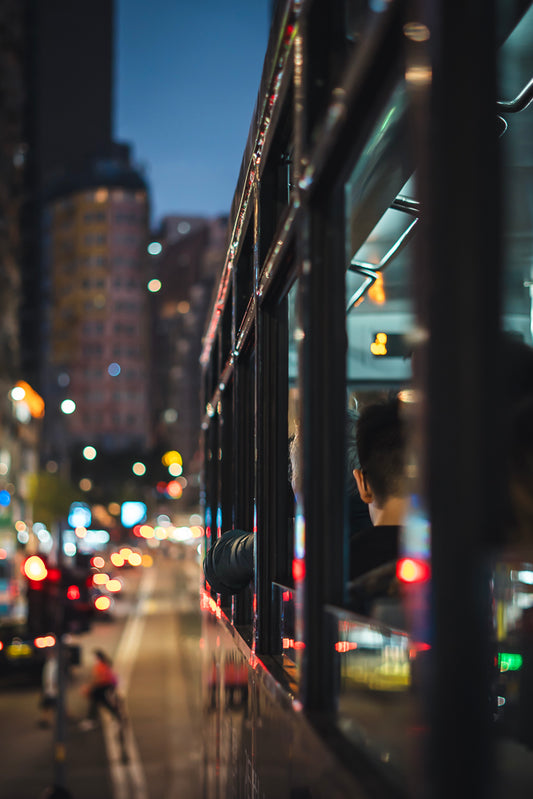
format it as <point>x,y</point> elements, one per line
<point>380,240</point>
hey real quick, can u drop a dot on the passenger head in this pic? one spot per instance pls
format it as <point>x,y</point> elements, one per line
<point>381,444</point>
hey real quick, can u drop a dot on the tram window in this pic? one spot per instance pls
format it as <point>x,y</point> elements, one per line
<point>513,572</point>
<point>374,654</point>
<point>243,464</point>
<point>283,593</point>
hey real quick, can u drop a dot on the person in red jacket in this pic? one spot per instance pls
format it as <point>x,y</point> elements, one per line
<point>101,690</point>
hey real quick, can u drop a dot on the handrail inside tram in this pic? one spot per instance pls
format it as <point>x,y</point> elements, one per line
<point>520,102</point>
<point>370,271</point>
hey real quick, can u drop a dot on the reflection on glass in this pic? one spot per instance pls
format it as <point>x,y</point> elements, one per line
<point>283,599</point>
<point>377,668</point>
<point>290,602</point>
<point>377,660</point>
<point>512,695</point>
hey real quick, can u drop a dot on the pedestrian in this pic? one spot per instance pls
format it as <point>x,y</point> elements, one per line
<point>101,690</point>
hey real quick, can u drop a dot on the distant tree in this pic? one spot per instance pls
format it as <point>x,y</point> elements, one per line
<point>51,496</point>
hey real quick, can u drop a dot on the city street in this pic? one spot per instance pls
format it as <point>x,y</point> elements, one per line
<point>153,637</point>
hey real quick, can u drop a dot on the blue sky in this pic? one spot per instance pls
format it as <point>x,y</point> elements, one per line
<point>186,81</point>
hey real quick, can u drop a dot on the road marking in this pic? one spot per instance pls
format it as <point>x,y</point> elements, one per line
<point>128,778</point>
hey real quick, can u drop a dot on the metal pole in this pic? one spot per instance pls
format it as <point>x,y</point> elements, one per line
<point>58,791</point>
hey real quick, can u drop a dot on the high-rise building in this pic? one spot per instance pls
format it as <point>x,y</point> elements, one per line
<point>68,83</point>
<point>83,319</point>
<point>95,332</point>
<point>191,258</point>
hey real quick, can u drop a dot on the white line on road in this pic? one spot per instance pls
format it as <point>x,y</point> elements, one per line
<point>128,778</point>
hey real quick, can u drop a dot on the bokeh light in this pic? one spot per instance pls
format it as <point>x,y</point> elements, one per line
<point>172,456</point>
<point>102,603</point>
<point>68,406</point>
<point>174,490</point>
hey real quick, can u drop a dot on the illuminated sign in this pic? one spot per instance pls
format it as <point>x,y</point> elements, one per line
<point>132,513</point>
<point>391,345</point>
<point>79,515</point>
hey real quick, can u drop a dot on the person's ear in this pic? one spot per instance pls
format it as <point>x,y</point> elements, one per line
<point>362,486</point>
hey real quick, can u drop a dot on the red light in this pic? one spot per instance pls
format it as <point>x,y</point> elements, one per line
<point>298,569</point>
<point>345,646</point>
<point>1,645</point>
<point>44,640</point>
<point>410,570</point>
<point>73,592</point>
<point>54,575</point>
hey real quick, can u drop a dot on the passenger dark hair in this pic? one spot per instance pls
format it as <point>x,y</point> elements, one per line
<point>352,457</point>
<point>381,442</point>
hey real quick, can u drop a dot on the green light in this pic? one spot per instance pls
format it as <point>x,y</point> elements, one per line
<point>509,662</point>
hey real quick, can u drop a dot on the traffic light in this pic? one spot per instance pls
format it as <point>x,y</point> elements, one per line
<point>58,598</point>
<point>78,608</point>
<point>43,590</point>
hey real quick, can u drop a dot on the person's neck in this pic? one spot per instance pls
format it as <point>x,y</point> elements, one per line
<point>392,513</point>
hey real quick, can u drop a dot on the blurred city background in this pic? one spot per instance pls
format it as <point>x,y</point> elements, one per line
<point>122,127</point>
<point>106,285</point>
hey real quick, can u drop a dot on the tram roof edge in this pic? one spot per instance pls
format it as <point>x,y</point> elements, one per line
<point>274,62</point>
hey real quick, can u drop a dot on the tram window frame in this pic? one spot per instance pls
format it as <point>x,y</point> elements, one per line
<point>272,545</point>
<point>244,477</point>
<point>335,230</point>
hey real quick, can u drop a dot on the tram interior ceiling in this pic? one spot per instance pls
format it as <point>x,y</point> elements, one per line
<point>372,631</point>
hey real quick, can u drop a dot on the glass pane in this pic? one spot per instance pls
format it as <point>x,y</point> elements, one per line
<point>377,670</point>
<point>513,571</point>
<point>373,648</point>
<point>292,604</point>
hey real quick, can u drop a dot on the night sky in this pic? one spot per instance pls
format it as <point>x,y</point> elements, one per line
<point>187,75</point>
